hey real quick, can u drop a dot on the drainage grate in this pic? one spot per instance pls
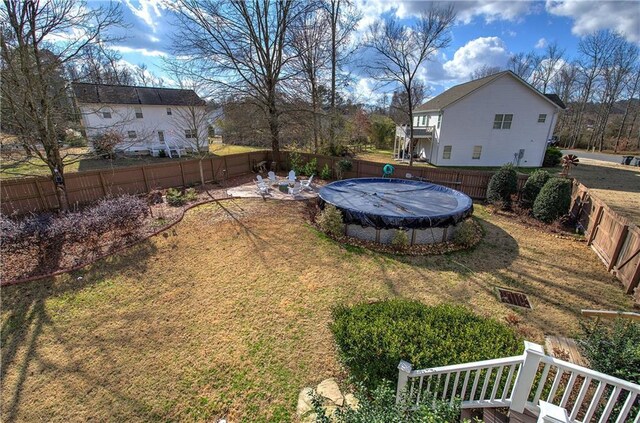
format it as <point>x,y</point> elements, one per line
<point>514,298</point>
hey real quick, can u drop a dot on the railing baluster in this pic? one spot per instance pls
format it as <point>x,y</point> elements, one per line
<point>463,394</point>
<point>541,383</point>
<point>507,386</point>
<point>610,404</point>
<point>419,390</point>
<point>487,377</point>
<point>595,401</point>
<point>627,407</point>
<point>455,387</point>
<point>494,391</point>
<point>475,384</point>
<point>556,383</point>
<point>446,385</point>
<point>569,388</point>
<point>581,395</point>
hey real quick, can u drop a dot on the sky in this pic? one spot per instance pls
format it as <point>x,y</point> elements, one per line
<point>486,32</point>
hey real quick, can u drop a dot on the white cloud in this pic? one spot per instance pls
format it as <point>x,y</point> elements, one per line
<point>542,43</point>
<point>492,10</point>
<point>483,51</point>
<point>142,51</point>
<point>148,11</point>
<point>590,16</point>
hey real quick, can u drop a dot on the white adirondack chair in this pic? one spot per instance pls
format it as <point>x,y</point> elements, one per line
<point>297,187</point>
<point>263,188</point>
<point>292,176</point>
<point>272,177</point>
<point>306,184</point>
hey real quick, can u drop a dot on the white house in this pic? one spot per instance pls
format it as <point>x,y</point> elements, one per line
<point>150,120</point>
<point>486,122</point>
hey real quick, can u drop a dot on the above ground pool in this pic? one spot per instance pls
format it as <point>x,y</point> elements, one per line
<point>374,208</point>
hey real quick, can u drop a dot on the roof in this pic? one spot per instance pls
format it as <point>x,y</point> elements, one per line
<point>457,92</point>
<point>128,94</point>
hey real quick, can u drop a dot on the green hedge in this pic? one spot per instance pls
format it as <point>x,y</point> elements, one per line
<point>532,187</point>
<point>373,338</point>
<point>553,201</point>
<point>502,185</point>
<point>552,157</point>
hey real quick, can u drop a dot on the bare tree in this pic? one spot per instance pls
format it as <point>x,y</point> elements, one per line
<point>484,71</point>
<point>523,64</point>
<point>39,41</point>
<point>550,64</point>
<point>243,47</point>
<point>343,18</point>
<point>400,50</point>
<point>399,107</point>
<point>632,86</point>
<point>312,46</point>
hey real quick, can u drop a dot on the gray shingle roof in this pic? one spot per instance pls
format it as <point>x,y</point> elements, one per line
<point>455,93</point>
<point>126,94</point>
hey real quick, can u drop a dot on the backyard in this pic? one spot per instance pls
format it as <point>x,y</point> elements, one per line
<point>226,314</point>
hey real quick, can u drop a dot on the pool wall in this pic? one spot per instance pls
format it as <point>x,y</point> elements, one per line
<point>415,236</point>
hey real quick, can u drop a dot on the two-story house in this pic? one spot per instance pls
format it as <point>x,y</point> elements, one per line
<point>149,120</point>
<point>489,121</point>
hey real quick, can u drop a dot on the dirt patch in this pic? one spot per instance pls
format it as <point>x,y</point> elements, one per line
<point>227,315</point>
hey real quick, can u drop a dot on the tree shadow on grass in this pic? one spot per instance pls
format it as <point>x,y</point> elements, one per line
<point>26,315</point>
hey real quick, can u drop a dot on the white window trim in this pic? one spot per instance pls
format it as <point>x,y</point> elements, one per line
<point>105,112</point>
<point>502,123</point>
<point>132,134</point>
<point>476,149</point>
<point>444,152</point>
<point>138,111</point>
<point>542,118</point>
<point>169,111</point>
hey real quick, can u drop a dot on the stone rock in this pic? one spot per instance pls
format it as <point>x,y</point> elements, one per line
<point>329,389</point>
<point>304,402</point>
<point>351,401</point>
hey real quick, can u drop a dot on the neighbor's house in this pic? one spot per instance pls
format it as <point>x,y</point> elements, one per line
<point>486,122</point>
<point>150,120</point>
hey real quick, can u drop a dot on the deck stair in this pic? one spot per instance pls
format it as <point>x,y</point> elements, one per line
<point>526,384</point>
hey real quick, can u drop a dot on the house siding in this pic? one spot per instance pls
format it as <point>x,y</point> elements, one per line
<point>469,123</point>
<point>155,118</point>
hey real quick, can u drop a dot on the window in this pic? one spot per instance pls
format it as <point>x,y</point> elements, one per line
<point>168,111</point>
<point>542,118</point>
<point>439,119</point>
<point>190,133</point>
<point>502,121</point>
<point>106,114</point>
<point>132,134</point>
<point>446,152</point>
<point>161,136</point>
<point>424,123</point>
<point>477,151</point>
<point>138,111</point>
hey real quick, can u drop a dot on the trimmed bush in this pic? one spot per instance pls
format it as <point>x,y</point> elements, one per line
<point>325,173</point>
<point>503,184</point>
<point>175,198</point>
<point>532,187</point>
<point>465,233</point>
<point>552,157</point>
<point>373,338</point>
<point>553,200</point>
<point>330,221</point>
<point>400,239</point>
<point>614,349</point>
<point>310,168</point>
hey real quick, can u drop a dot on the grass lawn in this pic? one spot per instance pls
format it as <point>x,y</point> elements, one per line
<point>385,156</point>
<point>227,314</point>
<point>13,166</point>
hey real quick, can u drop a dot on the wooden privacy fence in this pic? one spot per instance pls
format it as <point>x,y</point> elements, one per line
<point>613,237</point>
<point>23,195</point>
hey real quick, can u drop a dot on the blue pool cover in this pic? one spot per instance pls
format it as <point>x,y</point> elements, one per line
<point>385,203</point>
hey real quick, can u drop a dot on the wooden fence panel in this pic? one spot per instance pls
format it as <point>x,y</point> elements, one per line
<point>606,236</point>
<point>627,265</point>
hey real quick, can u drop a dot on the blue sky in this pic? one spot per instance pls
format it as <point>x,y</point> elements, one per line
<point>486,33</point>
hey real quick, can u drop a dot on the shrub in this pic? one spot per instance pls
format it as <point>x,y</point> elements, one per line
<point>190,194</point>
<point>380,405</point>
<point>502,185</point>
<point>175,197</point>
<point>74,138</point>
<point>400,239</point>
<point>532,187</point>
<point>552,157</point>
<point>325,173</point>
<point>105,144</point>
<point>553,200</point>
<point>373,338</point>
<point>615,349</point>
<point>295,160</point>
<point>343,166</point>
<point>465,233</point>
<point>311,168</point>
<point>330,220</point>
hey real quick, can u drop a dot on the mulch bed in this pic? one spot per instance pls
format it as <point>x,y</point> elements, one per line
<point>559,229</point>
<point>34,263</point>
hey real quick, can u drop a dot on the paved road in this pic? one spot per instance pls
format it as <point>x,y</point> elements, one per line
<point>613,158</point>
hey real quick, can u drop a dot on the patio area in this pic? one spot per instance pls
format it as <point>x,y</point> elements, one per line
<point>275,190</point>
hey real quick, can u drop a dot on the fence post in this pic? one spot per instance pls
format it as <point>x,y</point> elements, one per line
<point>596,222</point>
<point>618,247</point>
<point>526,376</point>
<point>404,368</point>
<point>146,181</point>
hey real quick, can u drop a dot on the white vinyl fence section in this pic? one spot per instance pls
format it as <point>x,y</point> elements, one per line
<point>522,382</point>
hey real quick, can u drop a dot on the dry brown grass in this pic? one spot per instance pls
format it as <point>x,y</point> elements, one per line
<point>228,314</point>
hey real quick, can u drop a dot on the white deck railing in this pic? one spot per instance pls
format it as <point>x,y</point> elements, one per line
<point>521,382</point>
